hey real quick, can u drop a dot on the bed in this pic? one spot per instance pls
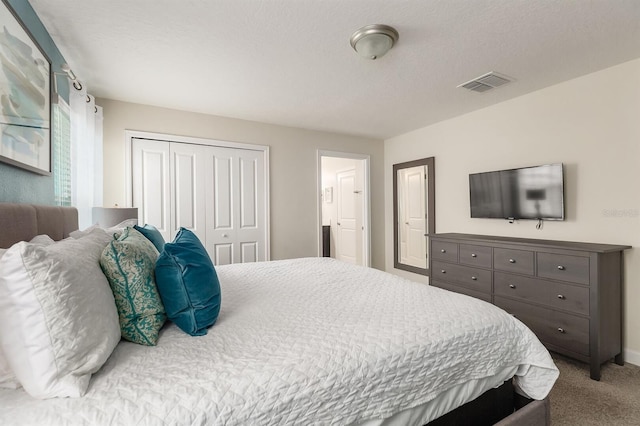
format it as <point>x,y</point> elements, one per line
<point>307,341</point>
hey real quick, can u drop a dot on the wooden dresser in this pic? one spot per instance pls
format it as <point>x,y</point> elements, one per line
<point>568,293</point>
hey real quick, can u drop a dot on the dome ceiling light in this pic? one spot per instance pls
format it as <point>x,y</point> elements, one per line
<point>373,41</point>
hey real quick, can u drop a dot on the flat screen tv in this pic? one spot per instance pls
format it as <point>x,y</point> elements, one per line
<point>524,193</point>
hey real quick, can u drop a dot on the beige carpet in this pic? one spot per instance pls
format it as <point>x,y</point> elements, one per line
<point>578,400</point>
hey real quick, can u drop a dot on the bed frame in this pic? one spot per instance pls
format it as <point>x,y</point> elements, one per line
<point>22,222</point>
<point>500,406</point>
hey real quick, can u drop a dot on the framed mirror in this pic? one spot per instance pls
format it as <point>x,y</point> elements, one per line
<point>413,214</point>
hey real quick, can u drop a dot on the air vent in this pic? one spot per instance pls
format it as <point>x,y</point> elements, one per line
<point>485,82</point>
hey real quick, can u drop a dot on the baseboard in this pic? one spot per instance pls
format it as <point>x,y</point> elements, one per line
<point>632,357</point>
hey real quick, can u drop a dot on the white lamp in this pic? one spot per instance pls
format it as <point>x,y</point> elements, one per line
<point>373,41</point>
<point>110,216</point>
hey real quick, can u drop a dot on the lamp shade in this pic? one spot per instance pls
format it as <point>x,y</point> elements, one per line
<point>110,216</point>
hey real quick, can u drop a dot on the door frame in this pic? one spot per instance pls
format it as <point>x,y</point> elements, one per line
<point>366,217</point>
<point>129,135</point>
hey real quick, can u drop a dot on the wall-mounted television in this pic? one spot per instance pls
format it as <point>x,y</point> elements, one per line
<point>524,193</point>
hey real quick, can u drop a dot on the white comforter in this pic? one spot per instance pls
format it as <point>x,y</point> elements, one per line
<point>303,341</point>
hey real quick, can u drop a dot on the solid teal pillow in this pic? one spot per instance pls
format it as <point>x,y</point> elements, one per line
<point>152,234</point>
<point>188,284</point>
<point>129,263</point>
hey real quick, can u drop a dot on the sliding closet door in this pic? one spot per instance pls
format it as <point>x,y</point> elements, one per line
<point>151,183</point>
<point>236,205</point>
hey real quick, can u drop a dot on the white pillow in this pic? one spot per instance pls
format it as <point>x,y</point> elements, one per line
<point>7,378</point>
<point>58,318</point>
<point>116,229</point>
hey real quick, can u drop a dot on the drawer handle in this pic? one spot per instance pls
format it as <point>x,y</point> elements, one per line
<point>443,251</point>
<point>512,261</point>
<point>560,267</point>
<point>443,271</point>
<point>474,278</point>
<point>561,330</point>
<point>474,255</point>
<point>512,286</point>
<point>561,296</point>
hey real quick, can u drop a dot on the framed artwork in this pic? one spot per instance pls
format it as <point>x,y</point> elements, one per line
<point>328,194</point>
<point>25,97</point>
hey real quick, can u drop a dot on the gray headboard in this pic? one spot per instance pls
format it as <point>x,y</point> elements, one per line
<point>21,222</point>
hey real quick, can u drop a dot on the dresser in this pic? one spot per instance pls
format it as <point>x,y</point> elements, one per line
<point>568,293</point>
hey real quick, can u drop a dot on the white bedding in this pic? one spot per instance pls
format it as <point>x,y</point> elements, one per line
<point>304,341</point>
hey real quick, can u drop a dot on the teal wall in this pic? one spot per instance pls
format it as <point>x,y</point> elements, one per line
<point>17,185</point>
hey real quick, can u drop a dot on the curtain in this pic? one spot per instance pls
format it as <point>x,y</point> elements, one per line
<point>86,153</point>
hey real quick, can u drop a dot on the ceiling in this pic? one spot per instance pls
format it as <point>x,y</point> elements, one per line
<point>289,62</point>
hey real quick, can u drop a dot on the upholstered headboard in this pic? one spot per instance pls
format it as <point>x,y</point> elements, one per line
<point>21,222</point>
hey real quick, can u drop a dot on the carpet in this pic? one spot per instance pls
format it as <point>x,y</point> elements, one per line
<point>578,400</point>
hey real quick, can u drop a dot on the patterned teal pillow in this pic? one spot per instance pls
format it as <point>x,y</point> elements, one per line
<point>129,263</point>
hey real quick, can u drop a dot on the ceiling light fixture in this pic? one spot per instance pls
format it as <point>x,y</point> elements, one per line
<point>373,41</point>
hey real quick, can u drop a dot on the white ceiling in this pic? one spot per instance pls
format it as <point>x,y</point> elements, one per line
<point>289,62</point>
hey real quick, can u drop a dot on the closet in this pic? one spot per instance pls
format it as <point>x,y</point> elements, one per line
<point>218,190</point>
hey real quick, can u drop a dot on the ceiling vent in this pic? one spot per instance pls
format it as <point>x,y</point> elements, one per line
<point>485,82</point>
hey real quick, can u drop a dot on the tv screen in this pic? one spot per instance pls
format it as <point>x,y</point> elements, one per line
<point>525,193</point>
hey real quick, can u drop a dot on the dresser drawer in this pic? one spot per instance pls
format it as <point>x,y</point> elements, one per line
<point>509,260</point>
<point>574,269</point>
<point>463,290</point>
<point>517,286</point>
<point>552,294</point>
<point>474,278</point>
<point>476,255</point>
<point>443,250</point>
<point>565,331</point>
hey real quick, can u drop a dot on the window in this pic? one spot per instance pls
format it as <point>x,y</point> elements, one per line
<point>61,135</point>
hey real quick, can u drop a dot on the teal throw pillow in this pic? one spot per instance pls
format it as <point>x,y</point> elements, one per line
<point>188,284</point>
<point>152,234</point>
<point>129,263</point>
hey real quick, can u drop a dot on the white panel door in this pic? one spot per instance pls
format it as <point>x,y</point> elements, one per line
<point>251,234</point>
<point>219,189</point>
<point>219,193</point>
<point>188,189</point>
<point>151,180</point>
<point>346,247</point>
<point>236,205</point>
<point>414,219</point>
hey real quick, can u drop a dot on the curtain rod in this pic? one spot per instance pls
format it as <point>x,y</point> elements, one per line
<point>74,80</point>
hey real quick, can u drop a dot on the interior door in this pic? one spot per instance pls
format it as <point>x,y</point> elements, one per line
<point>187,189</point>
<point>236,206</point>
<point>413,217</point>
<point>219,193</point>
<point>347,244</point>
<point>151,181</point>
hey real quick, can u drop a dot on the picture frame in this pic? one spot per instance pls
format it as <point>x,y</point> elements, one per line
<point>328,194</point>
<point>25,96</point>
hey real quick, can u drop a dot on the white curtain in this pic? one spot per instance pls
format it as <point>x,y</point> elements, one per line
<point>86,153</point>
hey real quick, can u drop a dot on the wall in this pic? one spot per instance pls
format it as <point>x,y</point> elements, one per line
<point>18,185</point>
<point>590,124</point>
<point>293,168</point>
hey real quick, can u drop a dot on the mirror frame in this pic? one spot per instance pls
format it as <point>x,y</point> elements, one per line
<point>431,210</point>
